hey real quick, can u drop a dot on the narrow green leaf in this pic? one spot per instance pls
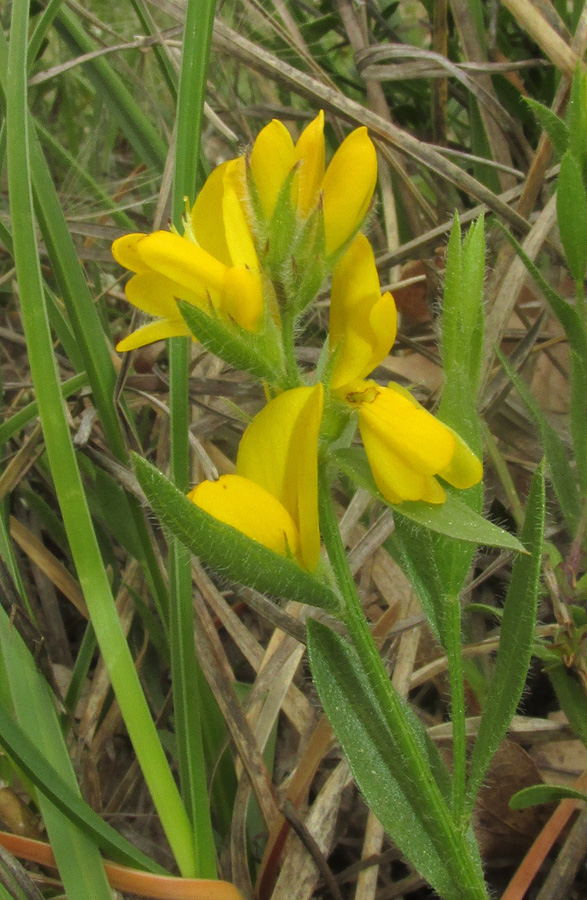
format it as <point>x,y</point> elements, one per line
<point>563,478</point>
<point>191,715</point>
<point>453,518</point>
<point>64,469</point>
<point>462,335</point>
<point>29,412</point>
<point>576,117</point>
<point>565,313</point>
<point>578,412</point>
<point>571,211</point>
<point>571,696</point>
<point>555,128</point>
<point>451,340</point>
<point>379,770</point>
<point>408,546</point>
<point>199,22</point>
<point>42,27</point>
<point>544,793</point>
<point>49,782</point>
<point>239,348</point>
<point>161,51</point>
<point>515,646</point>
<point>139,130</point>
<point>225,549</point>
<point>72,165</point>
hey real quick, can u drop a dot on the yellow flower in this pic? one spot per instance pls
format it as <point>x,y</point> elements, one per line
<point>406,446</point>
<point>345,189</point>
<point>363,323</point>
<point>273,497</point>
<point>213,266</point>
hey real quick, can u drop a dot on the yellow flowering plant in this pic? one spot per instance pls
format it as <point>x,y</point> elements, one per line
<point>262,235</point>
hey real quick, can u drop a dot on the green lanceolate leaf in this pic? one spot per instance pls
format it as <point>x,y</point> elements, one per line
<point>578,413</point>
<point>557,457</point>
<point>515,646</point>
<point>576,118</point>
<point>379,770</point>
<point>408,545</point>
<point>570,694</point>
<point>544,793</point>
<point>462,331</point>
<point>571,210</point>
<point>239,348</point>
<point>555,128</point>
<point>452,518</point>
<point>225,549</point>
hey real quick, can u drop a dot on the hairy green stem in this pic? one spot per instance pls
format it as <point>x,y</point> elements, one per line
<point>289,350</point>
<point>453,639</point>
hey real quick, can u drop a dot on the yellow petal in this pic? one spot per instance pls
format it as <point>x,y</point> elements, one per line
<point>242,298</point>
<point>180,260</point>
<point>405,446</point>
<point>465,469</point>
<point>279,451</point>
<point>348,187</point>
<point>124,251</point>
<point>363,321</point>
<point>310,154</point>
<point>272,159</point>
<point>250,509</point>
<point>208,216</point>
<point>154,331</point>
<point>153,294</point>
<point>239,239</point>
<point>394,476</point>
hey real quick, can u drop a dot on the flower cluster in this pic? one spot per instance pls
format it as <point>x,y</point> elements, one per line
<point>262,225</point>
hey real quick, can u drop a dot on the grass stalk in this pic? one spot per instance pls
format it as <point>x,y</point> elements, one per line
<point>64,469</point>
<point>189,712</point>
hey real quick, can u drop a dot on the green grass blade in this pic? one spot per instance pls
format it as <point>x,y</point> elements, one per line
<point>29,412</point>
<point>66,476</point>
<point>557,457</point>
<point>89,336</point>
<point>32,748</point>
<point>516,641</point>
<point>565,313</point>
<point>71,164</point>
<point>138,129</point>
<point>578,412</point>
<point>41,31</point>
<point>190,715</point>
<point>31,702</point>
<point>160,50</point>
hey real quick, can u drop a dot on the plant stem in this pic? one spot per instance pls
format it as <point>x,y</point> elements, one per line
<point>453,638</point>
<point>417,772</point>
<point>289,350</point>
